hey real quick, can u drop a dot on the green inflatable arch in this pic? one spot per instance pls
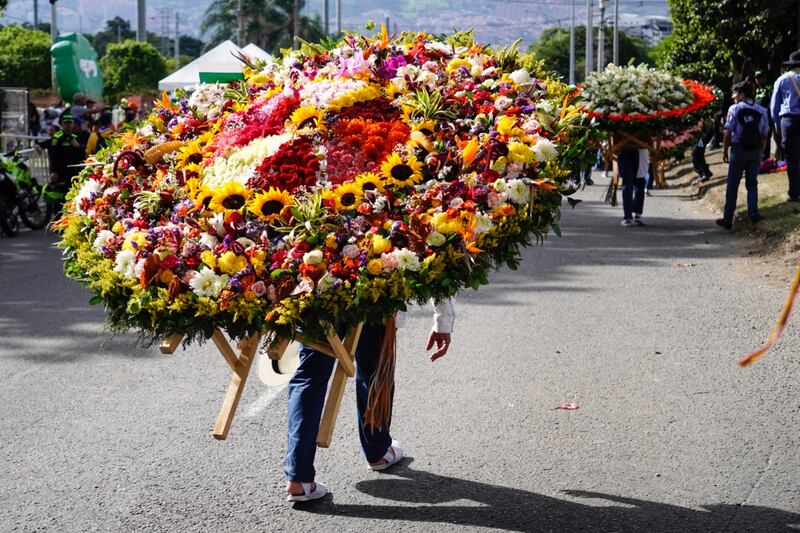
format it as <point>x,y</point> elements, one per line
<point>76,67</point>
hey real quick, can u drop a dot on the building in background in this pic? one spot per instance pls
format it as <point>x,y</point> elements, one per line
<point>652,29</point>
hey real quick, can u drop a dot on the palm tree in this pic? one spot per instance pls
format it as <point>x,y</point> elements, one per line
<point>268,23</point>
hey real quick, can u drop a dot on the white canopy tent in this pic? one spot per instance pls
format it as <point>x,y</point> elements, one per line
<point>255,52</point>
<point>218,59</point>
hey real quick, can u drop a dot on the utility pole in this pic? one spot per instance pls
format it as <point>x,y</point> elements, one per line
<point>589,38</point>
<point>338,17</point>
<point>327,24</point>
<point>295,24</point>
<point>53,21</point>
<point>601,38</point>
<point>35,14</point>
<point>239,23</point>
<point>141,21</point>
<point>177,41</point>
<point>572,46</point>
<point>615,53</point>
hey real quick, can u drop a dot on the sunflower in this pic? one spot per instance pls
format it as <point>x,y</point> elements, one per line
<point>267,205</point>
<point>203,197</point>
<point>232,196</point>
<point>190,157</point>
<point>348,196</point>
<point>309,117</point>
<point>399,173</point>
<point>427,127</point>
<point>368,182</point>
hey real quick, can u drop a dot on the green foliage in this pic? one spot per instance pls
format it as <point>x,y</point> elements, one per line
<point>268,23</point>
<point>553,48</point>
<point>726,40</point>
<point>132,66</point>
<point>24,57</point>
<point>173,65</point>
<point>116,30</point>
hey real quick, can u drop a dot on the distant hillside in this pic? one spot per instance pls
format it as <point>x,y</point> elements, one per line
<point>495,21</point>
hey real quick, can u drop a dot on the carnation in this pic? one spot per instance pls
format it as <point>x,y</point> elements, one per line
<point>545,150</point>
<point>207,283</point>
<point>406,259</point>
<point>102,239</point>
<point>125,263</point>
<point>518,192</point>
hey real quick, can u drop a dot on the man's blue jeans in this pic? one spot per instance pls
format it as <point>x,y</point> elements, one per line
<point>745,161</point>
<point>307,397</point>
<point>633,191</point>
<point>790,144</point>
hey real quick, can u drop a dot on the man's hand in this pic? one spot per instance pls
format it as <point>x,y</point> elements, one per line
<point>725,156</point>
<point>442,342</point>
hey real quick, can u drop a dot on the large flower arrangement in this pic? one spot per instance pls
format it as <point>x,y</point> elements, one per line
<point>643,98</point>
<point>332,186</point>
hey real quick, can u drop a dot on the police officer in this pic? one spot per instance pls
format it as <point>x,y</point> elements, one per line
<point>785,109</point>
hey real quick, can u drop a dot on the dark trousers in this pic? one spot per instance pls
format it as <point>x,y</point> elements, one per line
<point>790,144</point>
<point>307,397</point>
<point>633,191</point>
<point>745,161</point>
<point>699,161</point>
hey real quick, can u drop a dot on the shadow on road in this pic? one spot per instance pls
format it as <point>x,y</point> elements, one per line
<point>512,509</point>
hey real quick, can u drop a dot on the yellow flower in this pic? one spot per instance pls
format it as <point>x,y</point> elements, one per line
<point>191,157</point>
<point>231,197</point>
<point>230,263</point>
<point>118,228</point>
<point>379,244</point>
<point>257,260</point>
<point>456,64</point>
<point>401,174</point>
<point>309,117</point>
<point>375,267</point>
<point>203,198</point>
<point>369,181</point>
<point>331,242</point>
<point>520,153</point>
<point>505,125</point>
<point>362,94</point>
<point>135,241</point>
<point>347,196</point>
<point>444,224</point>
<point>267,205</point>
<point>208,257</point>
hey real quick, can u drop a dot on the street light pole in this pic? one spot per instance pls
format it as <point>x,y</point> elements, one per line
<point>53,21</point>
<point>338,17</point>
<point>615,53</point>
<point>601,38</point>
<point>35,14</point>
<point>177,42</point>
<point>239,23</point>
<point>295,24</point>
<point>572,46</point>
<point>141,21</point>
<point>327,25</point>
<point>589,38</point>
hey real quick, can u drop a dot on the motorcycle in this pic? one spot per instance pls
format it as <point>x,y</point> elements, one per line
<point>21,196</point>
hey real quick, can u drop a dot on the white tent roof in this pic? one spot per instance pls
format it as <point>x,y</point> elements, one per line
<point>256,52</point>
<point>218,58</point>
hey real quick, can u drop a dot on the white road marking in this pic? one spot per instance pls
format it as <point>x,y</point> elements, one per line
<point>263,401</point>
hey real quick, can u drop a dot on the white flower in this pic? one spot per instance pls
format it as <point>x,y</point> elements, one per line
<point>208,241</point>
<point>456,202</point>
<point>125,263</point>
<point>407,260</point>
<point>240,163</point>
<point>103,239</point>
<point>207,283</point>
<point>326,282</point>
<point>218,223</point>
<point>314,257</point>
<point>88,191</point>
<point>247,243</point>
<point>502,103</point>
<point>350,251</point>
<point>500,185</point>
<point>521,77</point>
<point>545,150</point>
<point>436,239</point>
<point>483,224</point>
<point>518,192</point>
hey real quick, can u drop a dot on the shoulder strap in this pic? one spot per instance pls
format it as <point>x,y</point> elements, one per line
<point>793,79</point>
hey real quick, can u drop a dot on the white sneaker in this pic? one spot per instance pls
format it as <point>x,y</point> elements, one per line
<point>638,220</point>
<point>627,222</point>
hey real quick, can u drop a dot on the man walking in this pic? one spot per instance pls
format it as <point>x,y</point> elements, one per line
<point>744,137</point>
<point>785,109</point>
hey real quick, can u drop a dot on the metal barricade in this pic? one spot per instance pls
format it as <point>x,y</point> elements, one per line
<point>28,146</point>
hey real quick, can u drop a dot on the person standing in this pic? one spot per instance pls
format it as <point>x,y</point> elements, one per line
<point>785,109</point>
<point>306,394</point>
<point>633,165</point>
<point>744,137</point>
<point>763,98</point>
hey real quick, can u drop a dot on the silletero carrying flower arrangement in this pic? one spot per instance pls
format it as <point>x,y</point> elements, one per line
<point>332,186</point>
<point>640,97</point>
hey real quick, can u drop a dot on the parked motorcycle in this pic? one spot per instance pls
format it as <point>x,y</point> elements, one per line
<point>21,196</point>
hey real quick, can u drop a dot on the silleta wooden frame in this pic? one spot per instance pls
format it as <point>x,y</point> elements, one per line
<point>343,350</point>
<point>619,140</point>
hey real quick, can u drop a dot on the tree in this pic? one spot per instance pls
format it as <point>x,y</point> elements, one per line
<point>24,58</point>
<point>117,30</point>
<point>726,40</point>
<point>132,66</point>
<point>553,48</point>
<point>268,23</point>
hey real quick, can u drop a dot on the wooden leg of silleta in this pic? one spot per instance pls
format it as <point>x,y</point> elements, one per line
<point>170,344</point>
<point>240,366</point>
<point>336,393</point>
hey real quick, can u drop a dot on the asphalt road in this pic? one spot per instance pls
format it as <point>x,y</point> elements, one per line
<point>641,327</point>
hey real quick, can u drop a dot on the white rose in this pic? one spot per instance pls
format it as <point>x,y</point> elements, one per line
<point>314,257</point>
<point>436,239</point>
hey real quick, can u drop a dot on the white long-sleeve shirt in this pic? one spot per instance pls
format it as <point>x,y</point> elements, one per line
<point>444,316</point>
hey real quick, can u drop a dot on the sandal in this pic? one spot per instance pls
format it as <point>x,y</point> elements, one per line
<point>308,495</point>
<point>393,456</point>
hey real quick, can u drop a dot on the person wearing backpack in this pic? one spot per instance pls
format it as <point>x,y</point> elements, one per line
<point>745,134</point>
<point>785,109</point>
